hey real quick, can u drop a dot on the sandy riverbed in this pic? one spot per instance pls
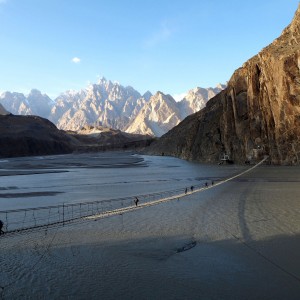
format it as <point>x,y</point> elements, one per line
<point>239,240</point>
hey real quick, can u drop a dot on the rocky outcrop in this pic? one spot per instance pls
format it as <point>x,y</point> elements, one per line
<point>258,114</point>
<point>31,135</point>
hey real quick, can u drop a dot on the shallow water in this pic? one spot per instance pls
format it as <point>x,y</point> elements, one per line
<point>239,240</point>
<point>42,181</point>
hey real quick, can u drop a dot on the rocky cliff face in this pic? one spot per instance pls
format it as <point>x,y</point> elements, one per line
<point>258,113</point>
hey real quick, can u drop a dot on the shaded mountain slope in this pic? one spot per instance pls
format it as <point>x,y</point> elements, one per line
<point>31,135</point>
<point>3,111</point>
<point>99,138</point>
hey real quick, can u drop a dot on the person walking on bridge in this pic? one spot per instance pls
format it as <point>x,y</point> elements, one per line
<point>1,226</point>
<point>136,201</point>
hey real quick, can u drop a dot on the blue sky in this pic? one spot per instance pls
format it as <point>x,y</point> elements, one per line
<point>166,45</point>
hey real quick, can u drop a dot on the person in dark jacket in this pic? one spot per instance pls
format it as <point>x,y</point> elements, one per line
<point>136,201</point>
<point>1,226</point>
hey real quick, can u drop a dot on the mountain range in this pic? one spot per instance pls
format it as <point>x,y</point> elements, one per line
<point>110,105</point>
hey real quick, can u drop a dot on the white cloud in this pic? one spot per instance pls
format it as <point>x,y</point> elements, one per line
<point>75,60</point>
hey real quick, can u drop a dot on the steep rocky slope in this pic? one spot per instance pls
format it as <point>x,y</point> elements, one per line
<point>3,111</point>
<point>157,117</point>
<point>258,113</point>
<point>31,135</point>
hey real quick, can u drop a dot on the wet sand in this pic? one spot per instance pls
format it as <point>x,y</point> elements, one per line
<point>239,240</point>
<point>55,163</point>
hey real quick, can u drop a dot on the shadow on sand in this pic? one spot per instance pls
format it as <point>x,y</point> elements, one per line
<point>150,268</point>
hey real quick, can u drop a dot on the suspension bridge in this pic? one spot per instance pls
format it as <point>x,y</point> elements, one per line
<point>21,220</point>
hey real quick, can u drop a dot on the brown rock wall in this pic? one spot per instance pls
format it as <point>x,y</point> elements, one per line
<point>258,114</point>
